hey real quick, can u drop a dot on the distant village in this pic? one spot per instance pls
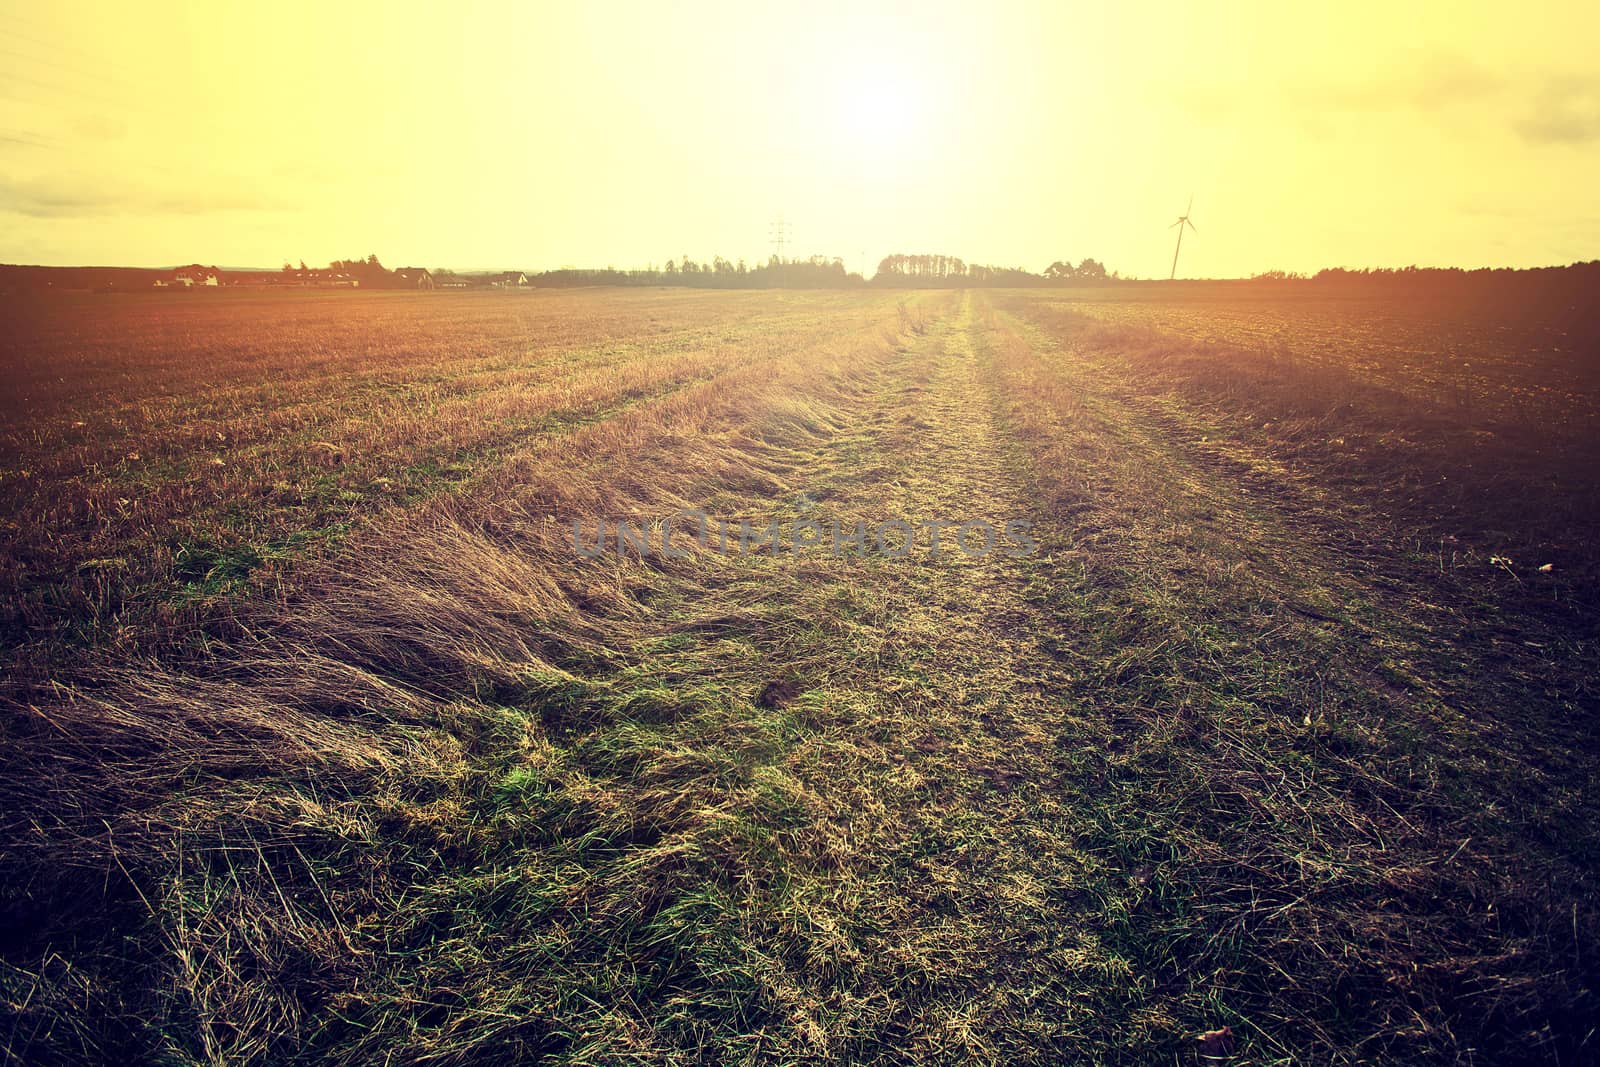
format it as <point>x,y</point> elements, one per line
<point>343,274</point>
<point>196,276</point>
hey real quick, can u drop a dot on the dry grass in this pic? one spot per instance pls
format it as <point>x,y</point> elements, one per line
<point>450,794</point>
<point>1469,450</point>
<point>1376,824</point>
<point>341,722</point>
<point>162,452</point>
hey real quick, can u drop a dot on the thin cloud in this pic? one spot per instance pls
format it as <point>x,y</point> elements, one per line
<point>79,196</point>
<point>1433,83</point>
<point>100,127</point>
<point>1566,111</point>
<point>1562,110</point>
<point>1447,80</point>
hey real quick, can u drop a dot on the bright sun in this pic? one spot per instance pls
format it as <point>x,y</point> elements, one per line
<point>882,113</point>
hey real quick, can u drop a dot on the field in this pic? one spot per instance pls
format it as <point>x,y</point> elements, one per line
<point>325,743</point>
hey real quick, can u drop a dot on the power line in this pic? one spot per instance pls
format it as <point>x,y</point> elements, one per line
<point>778,235</point>
<point>778,232</point>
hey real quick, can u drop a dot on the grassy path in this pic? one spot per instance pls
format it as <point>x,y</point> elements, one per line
<point>941,865</point>
<point>832,824</point>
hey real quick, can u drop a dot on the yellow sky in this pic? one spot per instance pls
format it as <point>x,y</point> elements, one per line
<point>539,135</point>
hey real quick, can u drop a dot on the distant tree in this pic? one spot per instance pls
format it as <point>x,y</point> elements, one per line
<point>369,272</point>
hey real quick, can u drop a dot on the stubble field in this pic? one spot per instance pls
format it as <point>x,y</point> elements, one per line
<point>323,744</point>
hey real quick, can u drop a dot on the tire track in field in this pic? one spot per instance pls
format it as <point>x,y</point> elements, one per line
<point>940,893</point>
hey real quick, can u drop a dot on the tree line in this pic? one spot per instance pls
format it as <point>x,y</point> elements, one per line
<point>817,272</point>
<point>371,273</point>
<point>938,271</point>
<point>898,271</point>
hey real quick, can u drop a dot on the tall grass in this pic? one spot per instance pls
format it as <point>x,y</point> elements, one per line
<point>185,454</point>
<point>219,855</point>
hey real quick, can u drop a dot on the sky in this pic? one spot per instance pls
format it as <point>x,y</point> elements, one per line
<point>540,135</point>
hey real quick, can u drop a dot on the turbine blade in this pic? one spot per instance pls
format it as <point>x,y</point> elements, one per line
<point>1190,207</point>
<point>1191,225</point>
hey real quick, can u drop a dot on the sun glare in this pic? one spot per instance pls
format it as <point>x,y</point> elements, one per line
<point>881,112</point>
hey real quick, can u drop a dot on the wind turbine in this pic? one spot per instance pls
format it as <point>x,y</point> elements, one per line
<point>1182,221</point>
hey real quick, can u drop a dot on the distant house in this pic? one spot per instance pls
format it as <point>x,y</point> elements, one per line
<point>193,275</point>
<point>413,278</point>
<point>511,279</point>
<point>318,278</point>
